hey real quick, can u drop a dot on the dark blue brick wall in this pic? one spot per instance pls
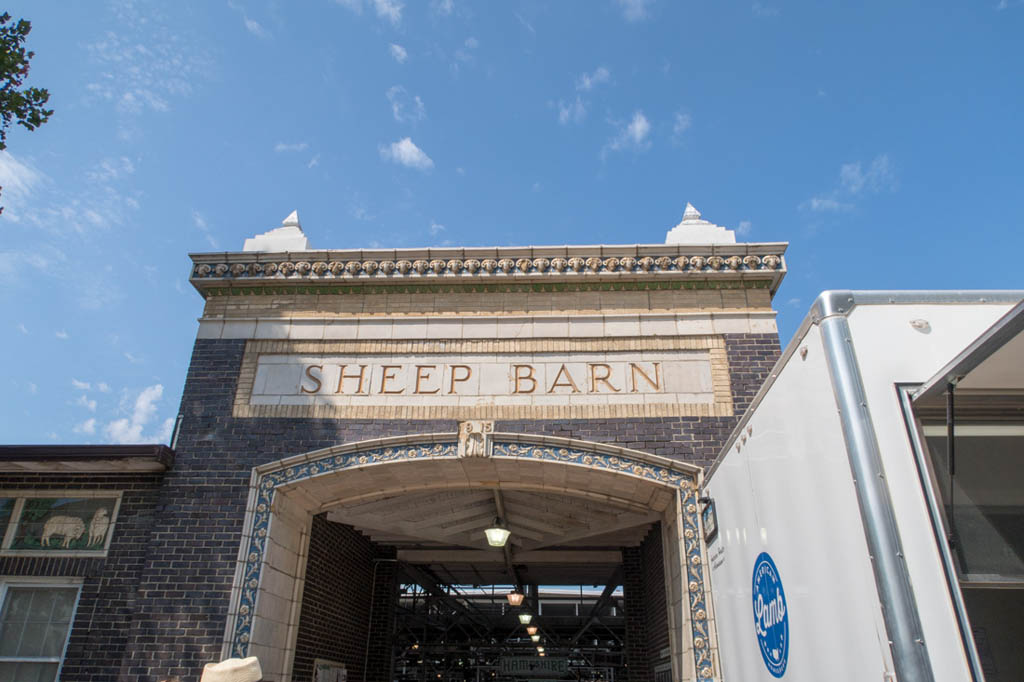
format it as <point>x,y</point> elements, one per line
<point>183,593</point>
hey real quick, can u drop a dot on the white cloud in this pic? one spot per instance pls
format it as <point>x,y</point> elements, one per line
<point>443,7</point>
<point>404,108</point>
<point>314,162</point>
<point>743,229</point>
<point>87,427</point>
<point>389,9</point>
<point>84,401</point>
<point>635,10</point>
<point>633,136</point>
<point>406,153</point>
<point>108,170</point>
<point>22,328</point>
<point>134,359</point>
<point>129,429</point>
<point>17,179</point>
<point>878,176</point>
<point>398,52</point>
<point>62,335</point>
<point>32,388</point>
<point>472,43</point>
<point>574,111</point>
<point>103,387</point>
<point>251,25</point>
<point>588,81</point>
<point>147,65</point>
<point>760,10</point>
<point>855,181</point>
<point>290,147</point>
<point>527,25</point>
<point>80,385</point>
<point>200,222</point>
<point>435,228</point>
<point>681,122</point>
<point>353,5</point>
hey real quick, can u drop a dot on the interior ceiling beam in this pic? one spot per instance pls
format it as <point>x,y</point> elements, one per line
<point>478,556</point>
<point>429,583</point>
<point>602,602</point>
<point>623,522</point>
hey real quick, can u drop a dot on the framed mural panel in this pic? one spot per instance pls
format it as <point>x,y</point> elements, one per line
<point>59,522</point>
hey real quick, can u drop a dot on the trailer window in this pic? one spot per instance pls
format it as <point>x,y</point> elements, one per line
<point>984,499</point>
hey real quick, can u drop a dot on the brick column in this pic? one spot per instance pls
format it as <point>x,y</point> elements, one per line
<point>636,622</point>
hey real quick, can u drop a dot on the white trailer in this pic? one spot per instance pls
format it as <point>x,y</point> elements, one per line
<point>847,540</point>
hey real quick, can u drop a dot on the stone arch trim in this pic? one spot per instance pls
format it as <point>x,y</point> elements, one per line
<point>269,478</point>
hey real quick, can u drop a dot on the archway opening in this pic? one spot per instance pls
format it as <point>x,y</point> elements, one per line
<point>375,562</point>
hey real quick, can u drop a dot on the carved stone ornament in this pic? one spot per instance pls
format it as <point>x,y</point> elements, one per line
<point>475,438</point>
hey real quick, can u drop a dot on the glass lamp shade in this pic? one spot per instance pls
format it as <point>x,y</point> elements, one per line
<point>532,630</point>
<point>540,653</point>
<point>535,638</point>
<point>497,536</point>
<point>514,598</point>
<point>540,650</point>
<point>525,618</point>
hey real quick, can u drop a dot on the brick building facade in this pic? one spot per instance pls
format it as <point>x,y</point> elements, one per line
<point>646,351</point>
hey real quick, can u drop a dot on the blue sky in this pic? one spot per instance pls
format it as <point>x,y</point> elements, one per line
<point>882,140</point>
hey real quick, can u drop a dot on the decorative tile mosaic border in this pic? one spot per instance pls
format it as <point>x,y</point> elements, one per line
<point>268,483</point>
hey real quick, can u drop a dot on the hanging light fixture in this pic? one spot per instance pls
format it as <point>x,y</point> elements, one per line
<point>525,618</point>
<point>540,650</point>
<point>535,638</point>
<point>497,534</point>
<point>531,630</point>
<point>515,597</point>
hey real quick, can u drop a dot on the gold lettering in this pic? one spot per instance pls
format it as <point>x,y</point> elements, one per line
<point>386,376</point>
<point>655,382</point>
<point>519,377</point>
<point>558,383</point>
<point>604,378</point>
<point>309,375</point>
<point>457,379</point>
<point>420,376</point>
<point>342,376</point>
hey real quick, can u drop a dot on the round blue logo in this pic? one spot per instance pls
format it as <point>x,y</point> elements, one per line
<point>771,621</point>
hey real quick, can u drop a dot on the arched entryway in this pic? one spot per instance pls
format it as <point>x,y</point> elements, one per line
<point>286,495</point>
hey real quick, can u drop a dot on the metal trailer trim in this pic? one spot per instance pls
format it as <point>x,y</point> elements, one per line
<point>995,337</point>
<point>905,394</point>
<point>899,608</point>
<point>842,302</point>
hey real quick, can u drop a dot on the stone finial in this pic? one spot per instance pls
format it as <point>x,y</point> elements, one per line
<point>693,229</point>
<point>288,237</point>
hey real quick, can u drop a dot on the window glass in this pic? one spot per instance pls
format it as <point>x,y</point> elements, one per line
<point>34,624</point>
<point>985,503</point>
<point>62,524</point>
<point>6,507</point>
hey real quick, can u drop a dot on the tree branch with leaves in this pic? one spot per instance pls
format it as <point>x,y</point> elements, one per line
<point>24,106</point>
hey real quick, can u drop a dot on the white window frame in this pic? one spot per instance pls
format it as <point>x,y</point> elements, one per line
<point>19,505</point>
<point>43,582</point>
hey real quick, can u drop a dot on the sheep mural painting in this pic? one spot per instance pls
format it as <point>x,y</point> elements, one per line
<point>64,524</point>
<point>71,528</point>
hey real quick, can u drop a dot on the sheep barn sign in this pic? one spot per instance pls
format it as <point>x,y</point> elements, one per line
<point>484,379</point>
